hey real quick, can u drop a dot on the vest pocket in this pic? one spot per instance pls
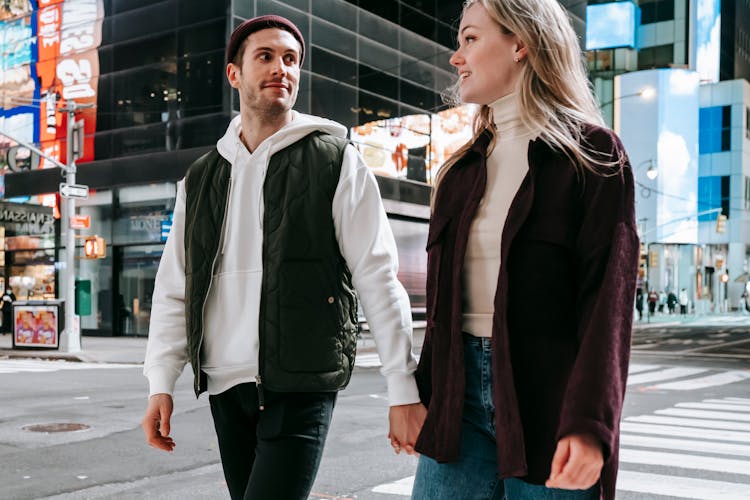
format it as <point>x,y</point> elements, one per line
<point>308,323</point>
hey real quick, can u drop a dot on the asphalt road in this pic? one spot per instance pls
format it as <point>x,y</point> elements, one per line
<point>686,430</point>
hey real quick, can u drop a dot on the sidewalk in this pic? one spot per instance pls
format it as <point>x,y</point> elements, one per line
<point>692,320</point>
<point>131,350</point>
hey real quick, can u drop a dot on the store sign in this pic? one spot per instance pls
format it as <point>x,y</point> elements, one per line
<point>24,219</point>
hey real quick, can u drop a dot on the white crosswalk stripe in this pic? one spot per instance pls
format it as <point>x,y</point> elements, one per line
<point>674,449</point>
<point>708,381</point>
<point>665,374</point>
<point>43,366</point>
<point>682,487</point>
<point>681,378</point>
<point>367,360</point>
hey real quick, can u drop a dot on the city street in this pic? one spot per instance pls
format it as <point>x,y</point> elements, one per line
<point>685,432</point>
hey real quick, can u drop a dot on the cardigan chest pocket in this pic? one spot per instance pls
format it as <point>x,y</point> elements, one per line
<point>435,243</point>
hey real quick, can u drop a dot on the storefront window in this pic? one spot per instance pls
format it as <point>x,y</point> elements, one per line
<point>143,212</point>
<point>137,275</point>
<point>27,255</point>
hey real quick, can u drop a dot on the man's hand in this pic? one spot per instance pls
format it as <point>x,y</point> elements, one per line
<point>156,422</point>
<point>577,463</point>
<point>405,424</point>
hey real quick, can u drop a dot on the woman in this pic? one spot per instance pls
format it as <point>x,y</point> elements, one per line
<point>532,260</point>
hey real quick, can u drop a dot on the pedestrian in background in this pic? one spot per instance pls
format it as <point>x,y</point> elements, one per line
<point>520,404</point>
<point>273,230</point>
<point>684,301</point>
<point>7,311</point>
<point>639,303</point>
<point>671,302</point>
<point>653,298</point>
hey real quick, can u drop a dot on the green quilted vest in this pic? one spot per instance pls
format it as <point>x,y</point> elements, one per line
<point>308,310</point>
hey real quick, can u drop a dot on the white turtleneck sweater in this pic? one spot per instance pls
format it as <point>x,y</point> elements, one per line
<point>507,166</point>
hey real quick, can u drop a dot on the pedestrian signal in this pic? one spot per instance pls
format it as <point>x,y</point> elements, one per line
<point>94,247</point>
<point>721,223</point>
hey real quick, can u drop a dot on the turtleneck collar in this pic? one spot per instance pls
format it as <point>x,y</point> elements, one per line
<point>506,112</point>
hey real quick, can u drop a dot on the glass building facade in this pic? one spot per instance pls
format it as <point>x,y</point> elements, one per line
<point>162,100</point>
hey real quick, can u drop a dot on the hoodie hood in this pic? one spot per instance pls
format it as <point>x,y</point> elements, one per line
<point>300,126</point>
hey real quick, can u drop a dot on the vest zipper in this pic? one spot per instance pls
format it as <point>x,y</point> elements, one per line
<point>261,399</point>
<point>219,251</point>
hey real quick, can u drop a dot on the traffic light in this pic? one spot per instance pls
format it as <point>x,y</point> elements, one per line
<point>721,223</point>
<point>94,247</point>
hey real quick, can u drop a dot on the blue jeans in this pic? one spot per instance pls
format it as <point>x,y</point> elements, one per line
<point>474,476</point>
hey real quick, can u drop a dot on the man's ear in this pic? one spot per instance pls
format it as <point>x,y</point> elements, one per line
<point>233,75</point>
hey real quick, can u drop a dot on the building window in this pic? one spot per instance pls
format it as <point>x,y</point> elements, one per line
<point>747,123</point>
<point>713,193</point>
<point>654,11</point>
<point>715,133</point>
<point>747,193</point>
<point>600,60</point>
<point>660,56</point>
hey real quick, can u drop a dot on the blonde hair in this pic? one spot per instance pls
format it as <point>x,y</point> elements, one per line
<point>556,96</point>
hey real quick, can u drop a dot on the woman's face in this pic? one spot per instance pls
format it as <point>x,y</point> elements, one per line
<point>485,58</point>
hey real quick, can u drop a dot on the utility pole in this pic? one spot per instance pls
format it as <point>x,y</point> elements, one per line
<point>68,192</point>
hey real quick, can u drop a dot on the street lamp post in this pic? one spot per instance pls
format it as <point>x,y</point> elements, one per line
<point>646,93</point>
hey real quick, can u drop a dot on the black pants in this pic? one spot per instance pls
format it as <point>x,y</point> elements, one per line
<point>274,453</point>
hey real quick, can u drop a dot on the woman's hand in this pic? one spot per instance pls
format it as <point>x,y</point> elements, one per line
<point>577,463</point>
<point>405,425</point>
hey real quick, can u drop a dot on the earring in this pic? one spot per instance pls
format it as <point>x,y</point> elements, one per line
<point>516,59</point>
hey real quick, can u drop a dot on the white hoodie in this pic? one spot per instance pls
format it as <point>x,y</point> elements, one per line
<point>229,354</point>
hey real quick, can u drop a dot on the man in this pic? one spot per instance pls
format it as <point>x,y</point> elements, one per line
<point>270,232</point>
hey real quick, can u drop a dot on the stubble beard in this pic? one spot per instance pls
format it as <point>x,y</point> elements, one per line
<point>269,110</point>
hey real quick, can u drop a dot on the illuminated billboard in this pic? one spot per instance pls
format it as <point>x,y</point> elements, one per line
<point>48,54</point>
<point>612,25</point>
<point>392,146</point>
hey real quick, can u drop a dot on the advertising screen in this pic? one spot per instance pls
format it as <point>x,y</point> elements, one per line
<point>36,326</point>
<point>48,55</point>
<point>611,25</point>
<point>416,143</point>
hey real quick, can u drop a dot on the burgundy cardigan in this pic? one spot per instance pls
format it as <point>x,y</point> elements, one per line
<point>563,308</point>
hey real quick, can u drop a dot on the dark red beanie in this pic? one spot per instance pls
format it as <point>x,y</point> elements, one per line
<point>250,26</point>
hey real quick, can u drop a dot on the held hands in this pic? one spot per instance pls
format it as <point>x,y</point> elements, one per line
<point>156,422</point>
<point>405,424</point>
<point>577,463</point>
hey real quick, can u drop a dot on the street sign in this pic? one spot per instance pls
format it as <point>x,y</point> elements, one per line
<point>74,191</point>
<point>80,222</point>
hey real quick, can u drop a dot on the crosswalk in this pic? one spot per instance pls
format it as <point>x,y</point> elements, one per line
<point>663,453</point>
<point>42,366</point>
<point>643,377</point>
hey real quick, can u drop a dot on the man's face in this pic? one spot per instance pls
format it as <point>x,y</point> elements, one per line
<point>268,75</point>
